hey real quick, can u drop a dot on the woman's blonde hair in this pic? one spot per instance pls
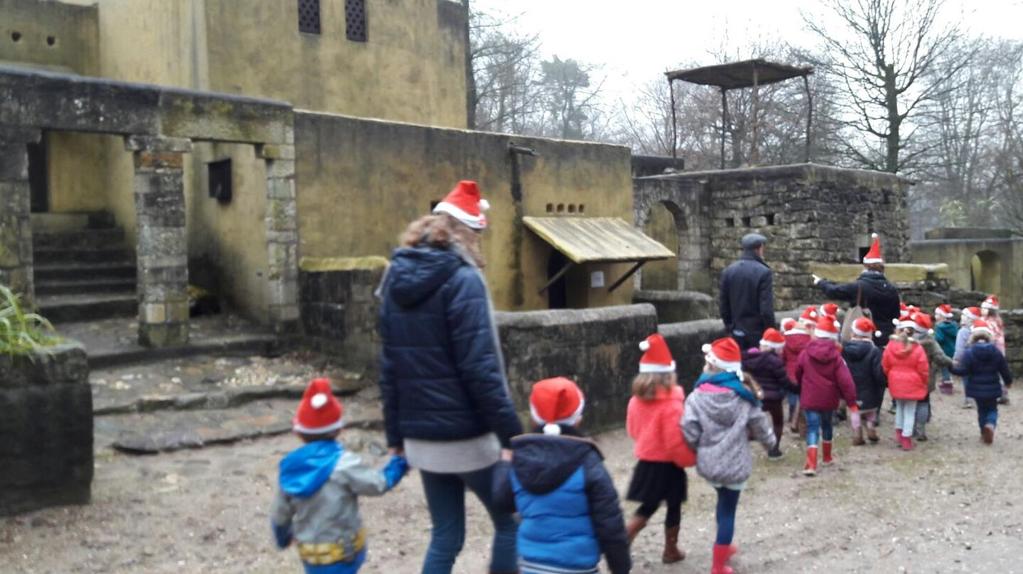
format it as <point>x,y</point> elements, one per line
<point>444,232</point>
<point>645,385</point>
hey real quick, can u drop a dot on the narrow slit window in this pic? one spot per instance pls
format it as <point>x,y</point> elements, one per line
<point>309,16</point>
<point>770,219</point>
<point>355,20</point>
<point>746,221</point>
<point>220,180</point>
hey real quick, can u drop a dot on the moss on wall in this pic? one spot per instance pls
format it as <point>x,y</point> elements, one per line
<point>360,182</point>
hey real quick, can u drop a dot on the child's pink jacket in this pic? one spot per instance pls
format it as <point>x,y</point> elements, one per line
<point>656,426</point>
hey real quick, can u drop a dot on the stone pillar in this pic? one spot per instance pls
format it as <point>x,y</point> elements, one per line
<point>162,246</point>
<point>281,235</point>
<point>15,207</point>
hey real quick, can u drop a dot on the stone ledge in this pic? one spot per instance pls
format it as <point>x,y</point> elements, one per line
<point>895,272</point>
<point>327,264</point>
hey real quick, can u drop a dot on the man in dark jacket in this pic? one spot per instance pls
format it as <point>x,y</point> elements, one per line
<point>871,290</point>
<point>747,294</point>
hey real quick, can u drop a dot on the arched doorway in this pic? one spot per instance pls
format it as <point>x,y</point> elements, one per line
<point>986,272</point>
<point>662,226</point>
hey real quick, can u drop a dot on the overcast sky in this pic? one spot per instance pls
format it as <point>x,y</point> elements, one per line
<point>637,40</point>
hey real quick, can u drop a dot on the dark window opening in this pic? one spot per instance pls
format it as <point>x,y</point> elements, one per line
<point>770,219</point>
<point>557,294</point>
<point>550,208</point>
<point>746,221</point>
<point>51,40</point>
<point>309,16</point>
<point>220,180</point>
<point>862,253</point>
<point>730,222</point>
<point>561,208</point>
<point>571,208</point>
<point>16,36</point>
<point>38,180</point>
<point>355,20</point>
<point>582,208</point>
<point>434,204</point>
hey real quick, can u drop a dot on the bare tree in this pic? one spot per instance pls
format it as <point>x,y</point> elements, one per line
<point>887,60</point>
<point>504,87</point>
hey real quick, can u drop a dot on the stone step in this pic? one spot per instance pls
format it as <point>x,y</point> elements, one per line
<point>69,222</point>
<point>255,344</point>
<point>166,431</point>
<point>124,269</point>
<point>82,255</point>
<point>112,238</point>
<point>67,308</point>
<point>101,285</point>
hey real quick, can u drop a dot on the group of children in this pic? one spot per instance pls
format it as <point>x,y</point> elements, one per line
<point>556,479</point>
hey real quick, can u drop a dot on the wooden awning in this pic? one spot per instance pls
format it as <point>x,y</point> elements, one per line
<point>597,239</point>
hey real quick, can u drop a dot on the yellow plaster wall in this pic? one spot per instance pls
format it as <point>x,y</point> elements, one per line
<point>77,179</point>
<point>412,67</point>
<point>360,182</point>
<point>233,235</point>
<point>661,275</point>
<point>73,29</point>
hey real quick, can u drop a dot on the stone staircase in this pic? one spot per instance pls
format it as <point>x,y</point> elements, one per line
<point>84,269</point>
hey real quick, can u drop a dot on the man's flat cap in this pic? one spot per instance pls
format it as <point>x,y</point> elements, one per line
<point>753,240</point>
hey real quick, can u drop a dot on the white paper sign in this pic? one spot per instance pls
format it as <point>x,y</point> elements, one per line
<point>597,279</point>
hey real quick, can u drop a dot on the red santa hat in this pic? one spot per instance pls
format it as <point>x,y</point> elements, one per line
<point>864,327</point>
<point>809,316</point>
<point>724,354</point>
<point>829,309</point>
<point>772,338</point>
<point>942,312</point>
<point>874,254</point>
<point>790,326</point>
<point>465,204</point>
<point>905,320</point>
<point>556,401</point>
<point>922,323</point>
<point>982,326</point>
<point>656,356</point>
<point>990,303</point>
<point>319,412</point>
<point>827,328</point>
<point>971,313</point>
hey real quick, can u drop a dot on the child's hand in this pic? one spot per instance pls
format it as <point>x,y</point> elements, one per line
<point>854,418</point>
<point>396,468</point>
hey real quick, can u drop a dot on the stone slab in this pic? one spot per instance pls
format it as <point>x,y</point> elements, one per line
<point>895,272</point>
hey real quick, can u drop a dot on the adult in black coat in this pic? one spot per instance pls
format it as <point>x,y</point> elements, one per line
<point>875,293</point>
<point>747,294</point>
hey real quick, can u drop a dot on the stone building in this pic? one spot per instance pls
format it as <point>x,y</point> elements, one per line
<point>978,260</point>
<point>809,213</point>
<point>250,139</point>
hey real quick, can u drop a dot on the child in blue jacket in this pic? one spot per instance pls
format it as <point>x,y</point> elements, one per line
<point>946,331</point>
<point>564,495</point>
<point>983,368</point>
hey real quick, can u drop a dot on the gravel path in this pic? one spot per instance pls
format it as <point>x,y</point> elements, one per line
<point>951,506</point>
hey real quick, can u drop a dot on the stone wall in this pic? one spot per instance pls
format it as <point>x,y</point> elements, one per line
<point>678,306</point>
<point>597,348</point>
<point>339,310</point>
<point>45,430</point>
<point>809,213</point>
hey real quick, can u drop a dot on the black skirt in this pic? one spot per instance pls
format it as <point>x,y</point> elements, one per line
<point>653,482</point>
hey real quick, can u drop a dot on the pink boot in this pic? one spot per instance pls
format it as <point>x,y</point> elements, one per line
<point>906,443</point>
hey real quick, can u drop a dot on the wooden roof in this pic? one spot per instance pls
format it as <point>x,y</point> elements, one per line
<point>597,239</point>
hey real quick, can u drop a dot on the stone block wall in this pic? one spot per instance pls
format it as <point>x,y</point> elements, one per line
<point>810,214</point>
<point>678,306</point>
<point>45,430</point>
<point>339,312</point>
<point>597,348</point>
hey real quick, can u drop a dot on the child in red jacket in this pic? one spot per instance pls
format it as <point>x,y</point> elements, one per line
<point>797,337</point>
<point>905,365</point>
<point>654,423</point>
<point>823,378</point>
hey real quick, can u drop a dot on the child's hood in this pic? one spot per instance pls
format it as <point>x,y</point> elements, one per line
<point>822,351</point>
<point>306,469</point>
<point>901,350</point>
<point>720,405</point>
<point>985,352</point>
<point>856,351</point>
<point>542,463</point>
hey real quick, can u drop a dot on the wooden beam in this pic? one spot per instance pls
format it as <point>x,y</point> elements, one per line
<point>630,273</point>
<point>557,276</point>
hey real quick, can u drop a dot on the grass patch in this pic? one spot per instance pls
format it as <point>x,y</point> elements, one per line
<point>21,332</point>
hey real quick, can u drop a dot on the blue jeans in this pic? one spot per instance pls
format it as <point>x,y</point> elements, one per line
<point>987,412</point>
<point>818,423</point>
<point>445,496</point>
<point>728,503</point>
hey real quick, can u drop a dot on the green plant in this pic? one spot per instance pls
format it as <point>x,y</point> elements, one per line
<point>22,332</point>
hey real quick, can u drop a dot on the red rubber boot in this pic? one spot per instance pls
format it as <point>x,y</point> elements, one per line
<point>722,552</point>
<point>828,460</point>
<point>811,461</point>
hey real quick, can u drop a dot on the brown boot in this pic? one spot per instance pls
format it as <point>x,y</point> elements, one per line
<point>872,434</point>
<point>636,523</point>
<point>672,553</point>
<point>858,439</point>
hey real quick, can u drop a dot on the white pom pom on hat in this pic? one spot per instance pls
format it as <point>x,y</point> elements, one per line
<point>484,205</point>
<point>318,401</point>
<point>644,346</point>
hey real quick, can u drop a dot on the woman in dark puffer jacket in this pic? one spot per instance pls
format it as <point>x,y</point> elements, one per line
<point>446,400</point>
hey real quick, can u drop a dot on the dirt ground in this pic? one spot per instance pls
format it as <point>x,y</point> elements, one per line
<point>953,505</point>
